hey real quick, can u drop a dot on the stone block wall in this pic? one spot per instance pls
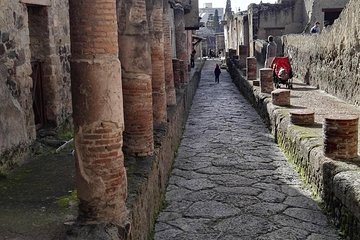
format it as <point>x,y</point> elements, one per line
<point>17,127</point>
<point>330,60</point>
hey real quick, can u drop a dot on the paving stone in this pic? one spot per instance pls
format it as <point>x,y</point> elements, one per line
<point>265,209</point>
<point>307,215</point>
<point>211,209</point>
<point>285,233</point>
<point>230,181</point>
<point>245,225</point>
<point>302,202</point>
<point>272,196</point>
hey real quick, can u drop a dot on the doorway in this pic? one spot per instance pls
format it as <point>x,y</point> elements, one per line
<point>40,51</point>
<point>330,15</point>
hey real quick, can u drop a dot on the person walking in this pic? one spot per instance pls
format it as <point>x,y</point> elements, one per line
<point>192,58</point>
<point>217,72</point>
<point>271,50</point>
<point>315,28</point>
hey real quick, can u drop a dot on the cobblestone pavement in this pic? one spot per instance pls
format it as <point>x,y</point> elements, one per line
<point>230,180</point>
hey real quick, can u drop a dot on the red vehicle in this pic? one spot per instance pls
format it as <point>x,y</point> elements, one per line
<point>282,72</point>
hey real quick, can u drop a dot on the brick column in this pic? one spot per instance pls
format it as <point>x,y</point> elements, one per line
<point>135,57</point>
<point>155,13</point>
<point>182,72</point>
<point>281,97</point>
<point>266,80</point>
<point>304,117</point>
<point>181,39</point>
<point>169,75</point>
<point>341,136</point>
<point>176,68</point>
<point>243,53</point>
<point>97,113</point>
<point>251,68</point>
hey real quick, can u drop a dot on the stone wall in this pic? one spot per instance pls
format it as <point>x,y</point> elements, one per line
<point>17,127</point>
<point>276,19</point>
<point>330,60</point>
<point>313,10</point>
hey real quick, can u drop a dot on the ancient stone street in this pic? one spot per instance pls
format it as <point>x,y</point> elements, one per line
<point>230,180</point>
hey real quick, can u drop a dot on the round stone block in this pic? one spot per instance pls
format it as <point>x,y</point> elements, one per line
<point>281,97</point>
<point>251,68</point>
<point>302,117</point>
<point>266,80</point>
<point>341,136</point>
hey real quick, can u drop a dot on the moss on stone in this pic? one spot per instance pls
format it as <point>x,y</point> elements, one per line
<point>67,200</point>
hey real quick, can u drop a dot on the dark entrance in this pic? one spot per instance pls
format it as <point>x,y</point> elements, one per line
<point>37,94</point>
<point>39,48</point>
<point>330,15</point>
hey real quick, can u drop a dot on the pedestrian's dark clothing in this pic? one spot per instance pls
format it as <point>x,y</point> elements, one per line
<point>192,58</point>
<point>217,72</point>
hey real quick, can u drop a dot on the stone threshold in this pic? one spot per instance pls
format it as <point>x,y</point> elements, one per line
<point>337,183</point>
<point>148,176</point>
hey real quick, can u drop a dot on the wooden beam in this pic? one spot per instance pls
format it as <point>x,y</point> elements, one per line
<point>37,2</point>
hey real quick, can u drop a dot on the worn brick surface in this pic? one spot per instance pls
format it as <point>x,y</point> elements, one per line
<point>341,136</point>
<point>155,12</point>
<point>98,114</point>
<point>169,75</point>
<point>280,97</point>
<point>251,67</point>
<point>266,80</point>
<point>181,40</point>
<point>302,117</point>
<point>135,57</point>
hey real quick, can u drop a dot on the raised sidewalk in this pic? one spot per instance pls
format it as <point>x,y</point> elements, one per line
<point>336,182</point>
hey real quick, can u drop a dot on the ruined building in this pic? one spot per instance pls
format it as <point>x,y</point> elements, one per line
<point>127,64</point>
<point>285,17</point>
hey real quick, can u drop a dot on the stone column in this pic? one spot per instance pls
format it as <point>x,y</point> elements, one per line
<point>135,57</point>
<point>97,113</point>
<point>266,80</point>
<point>181,39</point>
<point>155,13</point>
<point>281,97</point>
<point>169,76</point>
<point>243,53</point>
<point>251,68</point>
<point>176,68</point>
<point>341,136</point>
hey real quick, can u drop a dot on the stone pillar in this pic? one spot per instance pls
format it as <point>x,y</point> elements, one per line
<point>266,80</point>
<point>97,113</point>
<point>176,67</point>
<point>169,75</point>
<point>155,13</point>
<point>304,117</point>
<point>182,71</point>
<point>135,57</point>
<point>243,53</point>
<point>341,136</point>
<point>181,39</point>
<point>251,68</point>
<point>281,97</point>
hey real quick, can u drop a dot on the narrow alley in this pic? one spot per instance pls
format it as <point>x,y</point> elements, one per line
<point>230,180</point>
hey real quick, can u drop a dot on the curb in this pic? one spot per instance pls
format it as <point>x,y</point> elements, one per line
<point>337,183</point>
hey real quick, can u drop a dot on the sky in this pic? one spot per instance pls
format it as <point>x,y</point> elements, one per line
<point>235,4</point>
